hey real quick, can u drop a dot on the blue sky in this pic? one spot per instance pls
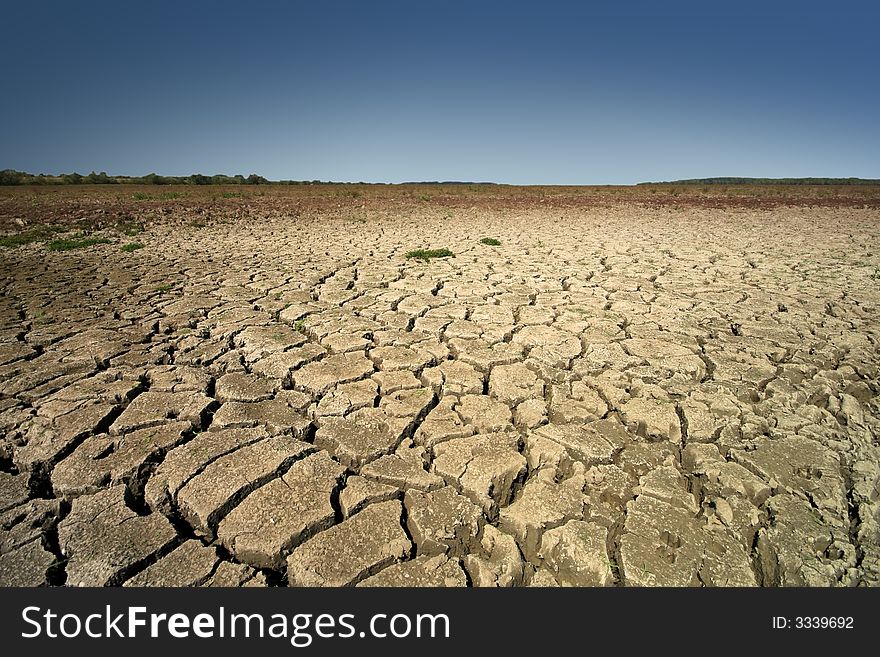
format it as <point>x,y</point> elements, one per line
<point>525,93</point>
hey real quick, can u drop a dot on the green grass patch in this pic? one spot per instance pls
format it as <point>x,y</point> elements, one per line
<point>490,241</point>
<point>72,244</point>
<point>132,246</point>
<point>19,239</point>
<point>162,196</point>
<point>427,254</point>
<point>300,325</point>
<point>130,230</point>
<point>36,234</point>
<point>167,287</point>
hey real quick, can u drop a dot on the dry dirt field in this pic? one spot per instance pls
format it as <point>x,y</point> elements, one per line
<point>636,387</point>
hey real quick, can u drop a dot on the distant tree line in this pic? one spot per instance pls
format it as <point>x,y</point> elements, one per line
<point>770,181</point>
<point>13,177</point>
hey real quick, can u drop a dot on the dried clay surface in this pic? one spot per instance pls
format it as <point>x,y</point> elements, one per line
<point>270,393</point>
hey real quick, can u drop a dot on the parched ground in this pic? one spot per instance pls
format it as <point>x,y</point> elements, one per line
<point>634,388</point>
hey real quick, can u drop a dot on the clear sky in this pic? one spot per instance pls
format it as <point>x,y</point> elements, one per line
<point>539,92</point>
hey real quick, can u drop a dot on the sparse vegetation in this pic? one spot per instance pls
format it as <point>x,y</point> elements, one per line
<point>164,196</point>
<point>18,239</point>
<point>427,254</point>
<point>490,241</point>
<point>132,246</point>
<point>36,234</point>
<point>611,566</point>
<point>300,325</point>
<point>74,243</point>
<point>130,230</point>
<point>167,287</point>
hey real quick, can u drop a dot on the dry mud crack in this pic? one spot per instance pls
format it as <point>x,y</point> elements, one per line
<point>620,396</point>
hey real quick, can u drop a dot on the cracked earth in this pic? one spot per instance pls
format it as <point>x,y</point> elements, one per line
<point>616,395</point>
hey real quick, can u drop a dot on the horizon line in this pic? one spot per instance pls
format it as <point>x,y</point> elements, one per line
<point>13,177</point>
